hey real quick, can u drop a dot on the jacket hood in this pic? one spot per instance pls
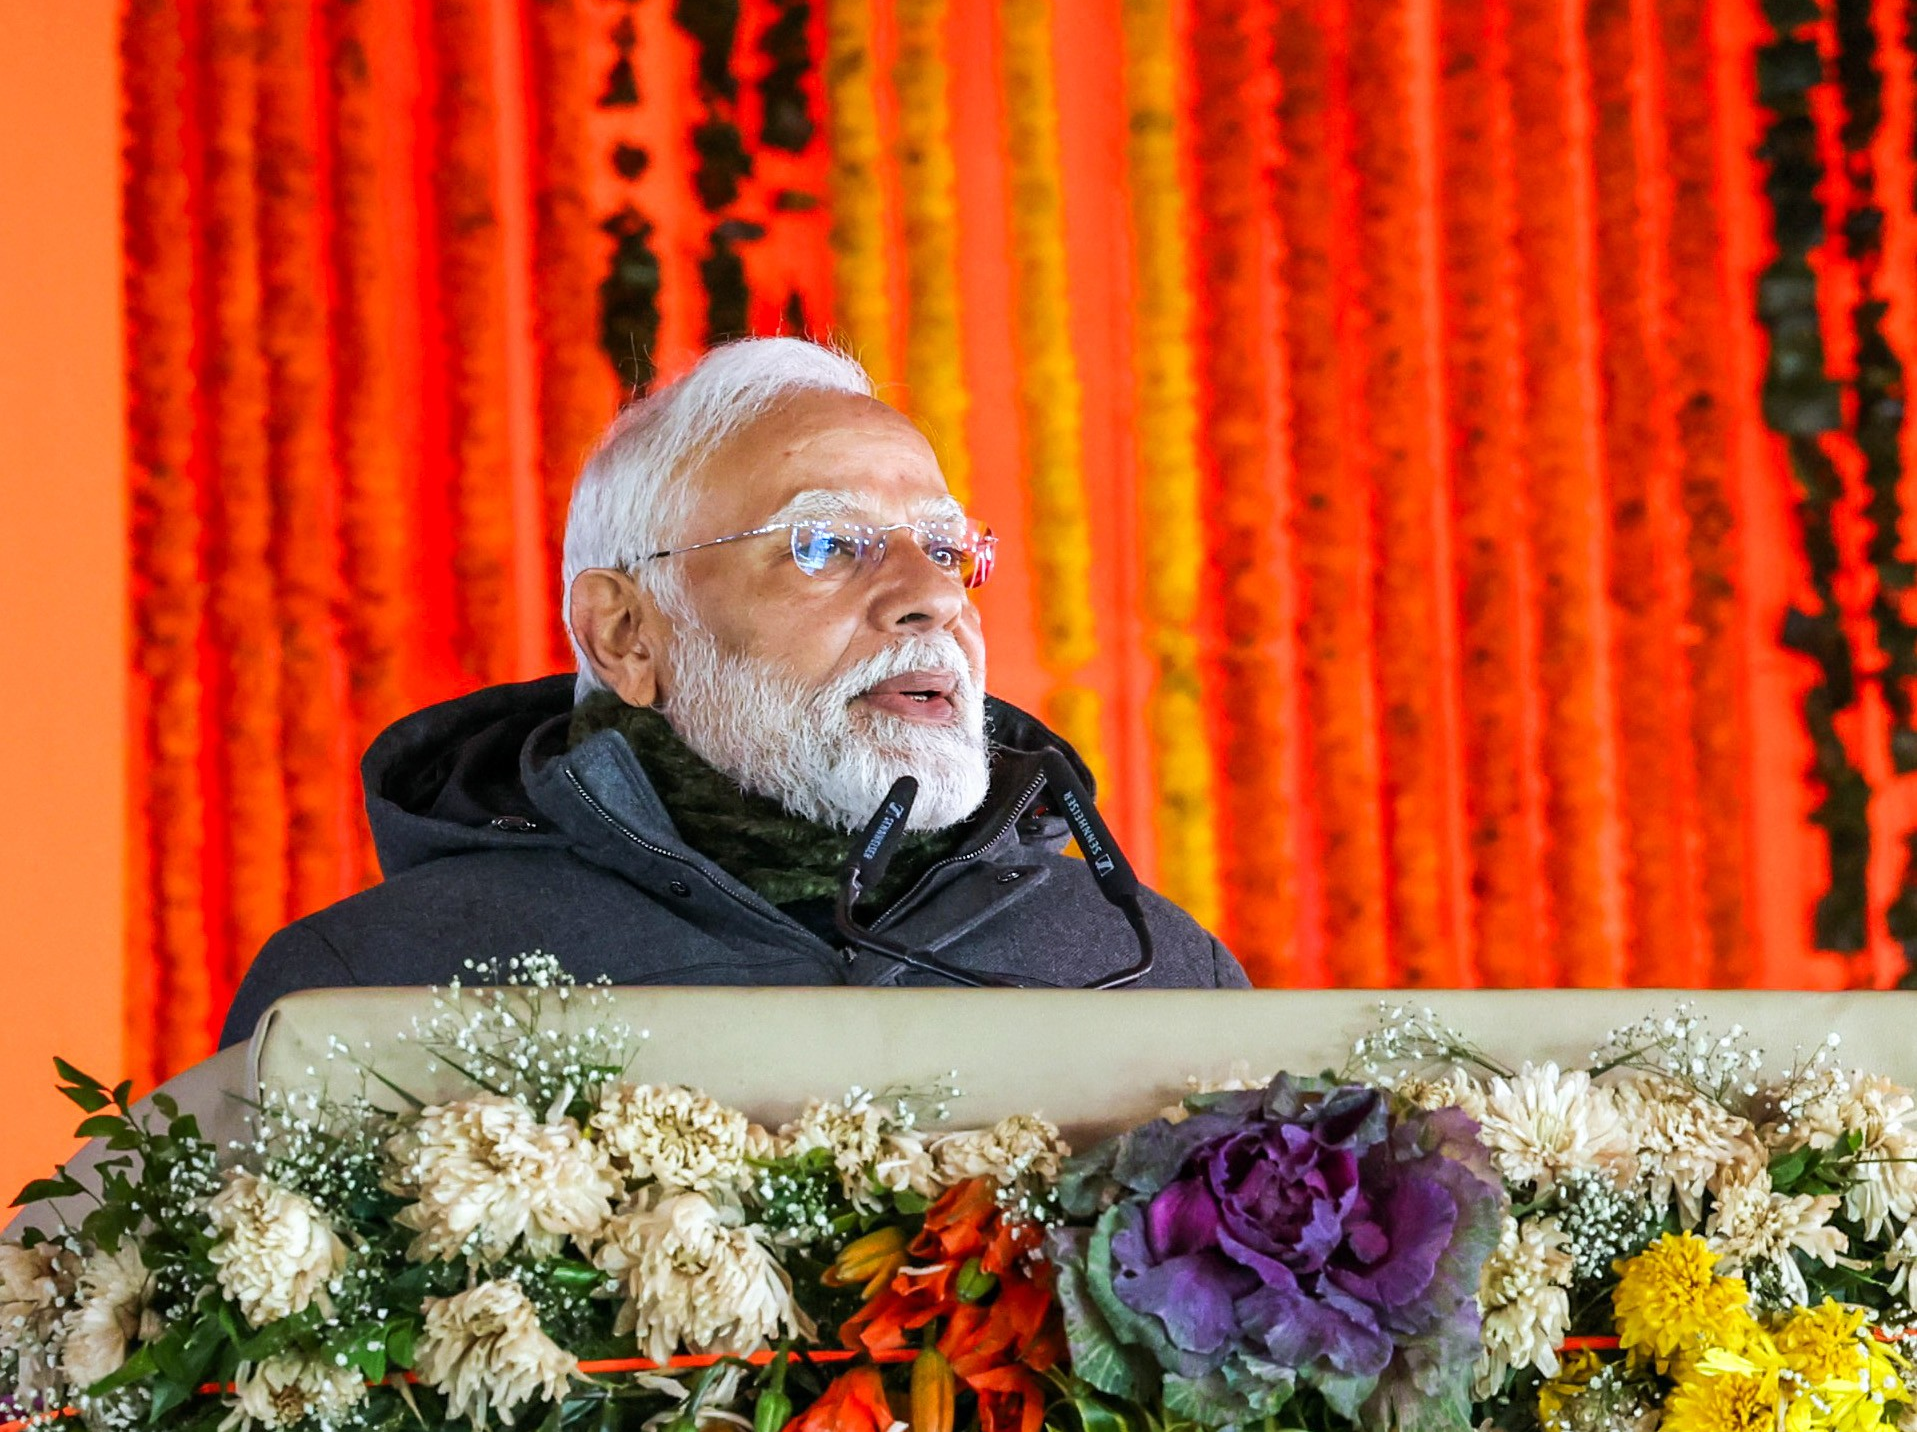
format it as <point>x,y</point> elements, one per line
<point>453,777</point>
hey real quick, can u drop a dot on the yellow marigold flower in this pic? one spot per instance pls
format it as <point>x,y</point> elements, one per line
<point>1669,1299</point>
<point>1844,1374</point>
<point>1574,1374</point>
<point>1709,1400</point>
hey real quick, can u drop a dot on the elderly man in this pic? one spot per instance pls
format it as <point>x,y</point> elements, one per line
<point>768,597</point>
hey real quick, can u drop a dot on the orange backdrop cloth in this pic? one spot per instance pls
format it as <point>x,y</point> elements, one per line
<point>1365,394</point>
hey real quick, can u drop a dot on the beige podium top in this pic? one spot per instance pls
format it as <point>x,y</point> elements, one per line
<point>1092,1062</point>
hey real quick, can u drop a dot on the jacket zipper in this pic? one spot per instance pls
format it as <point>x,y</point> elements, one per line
<point>639,840</point>
<point>1018,809</point>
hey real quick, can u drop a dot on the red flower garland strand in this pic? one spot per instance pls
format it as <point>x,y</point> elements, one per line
<point>576,393</point>
<point>1646,549</point>
<point>1559,432</point>
<point>1398,442</point>
<point>1696,316</point>
<point>1498,728</point>
<point>1244,512</point>
<point>1330,521</point>
<point>244,609</point>
<point>472,312</point>
<point>169,1004</point>
<point>322,791</point>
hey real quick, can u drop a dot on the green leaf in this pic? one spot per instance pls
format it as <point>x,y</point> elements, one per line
<point>121,1090</point>
<point>42,1189</point>
<point>92,1100</point>
<point>167,1395</point>
<point>74,1076</point>
<point>187,1126</point>
<point>400,1338</point>
<point>167,1105</point>
<point>371,1362</point>
<point>100,1126</point>
<point>1786,1169</point>
<point>137,1368</point>
<point>906,1201</point>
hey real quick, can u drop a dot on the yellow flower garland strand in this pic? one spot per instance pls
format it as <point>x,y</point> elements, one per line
<point>862,307</point>
<point>928,178</point>
<point>1168,475</point>
<point>1048,387</point>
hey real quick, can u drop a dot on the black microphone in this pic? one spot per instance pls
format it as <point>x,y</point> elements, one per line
<point>1117,881</point>
<point>880,838</point>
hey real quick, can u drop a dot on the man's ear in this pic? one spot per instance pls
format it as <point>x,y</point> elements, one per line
<point>620,632</point>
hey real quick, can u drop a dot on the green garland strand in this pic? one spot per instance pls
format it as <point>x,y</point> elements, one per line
<point>724,165</point>
<point>785,120</point>
<point>1802,403</point>
<point>629,293</point>
<point>1879,419</point>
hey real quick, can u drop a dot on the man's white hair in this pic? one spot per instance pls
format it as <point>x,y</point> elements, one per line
<point>635,495</point>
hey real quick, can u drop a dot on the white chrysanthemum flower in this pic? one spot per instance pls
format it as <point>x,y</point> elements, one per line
<point>289,1388</point>
<point>485,1173</point>
<point>1683,1140</point>
<point>1885,1165</point>
<point>1752,1227</point>
<point>672,1135</point>
<point>1525,1293</point>
<point>109,1300</point>
<point>273,1250</point>
<point>1453,1090</point>
<point>867,1148</point>
<point>1541,1125</point>
<point>484,1349</point>
<point>36,1294</point>
<point>694,1276</point>
<point>1016,1149</point>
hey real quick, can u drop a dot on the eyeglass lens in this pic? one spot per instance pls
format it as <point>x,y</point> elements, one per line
<point>834,551</point>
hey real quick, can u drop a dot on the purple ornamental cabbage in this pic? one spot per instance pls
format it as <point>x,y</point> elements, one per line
<point>1280,1241</point>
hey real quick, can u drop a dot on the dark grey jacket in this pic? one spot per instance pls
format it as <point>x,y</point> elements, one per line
<point>496,840</point>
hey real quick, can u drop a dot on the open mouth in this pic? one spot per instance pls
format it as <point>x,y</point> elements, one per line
<point>929,696</point>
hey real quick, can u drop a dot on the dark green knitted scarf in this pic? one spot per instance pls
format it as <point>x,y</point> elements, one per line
<point>753,839</point>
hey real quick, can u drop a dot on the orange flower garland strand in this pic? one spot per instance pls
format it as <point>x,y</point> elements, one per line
<point>862,306</point>
<point>1399,441</point>
<point>934,339</point>
<point>1168,476</point>
<point>576,393</point>
<point>373,510</point>
<point>1331,528</point>
<point>472,314</point>
<point>244,607</point>
<point>1581,866</point>
<point>169,1006</point>
<point>322,792</point>
<point>1047,377</point>
<point>1499,734</point>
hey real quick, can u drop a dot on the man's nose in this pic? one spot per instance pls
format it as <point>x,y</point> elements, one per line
<point>912,591</point>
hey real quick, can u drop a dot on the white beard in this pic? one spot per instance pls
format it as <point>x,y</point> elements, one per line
<point>809,750</point>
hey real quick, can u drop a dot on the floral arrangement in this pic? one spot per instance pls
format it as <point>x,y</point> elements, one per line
<point>1431,1242</point>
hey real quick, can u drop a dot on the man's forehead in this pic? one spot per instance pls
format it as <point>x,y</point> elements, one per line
<point>846,504</point>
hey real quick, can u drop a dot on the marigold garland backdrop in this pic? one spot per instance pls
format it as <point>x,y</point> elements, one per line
<point>1450,453</point>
